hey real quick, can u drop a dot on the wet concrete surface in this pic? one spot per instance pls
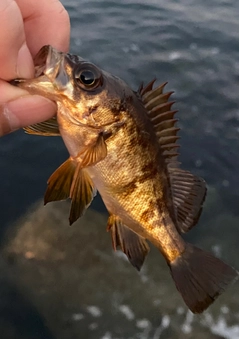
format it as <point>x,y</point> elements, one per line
<point>66,282</point>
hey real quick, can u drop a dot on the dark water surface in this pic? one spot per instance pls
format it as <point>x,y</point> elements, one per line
<point>194,45</point>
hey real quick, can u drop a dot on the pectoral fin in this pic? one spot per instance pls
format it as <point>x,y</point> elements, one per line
<point>95,153</point>
<point>134,246</point>
<point>189,193</point>
<point>82,193</point>
<point>45,128</point>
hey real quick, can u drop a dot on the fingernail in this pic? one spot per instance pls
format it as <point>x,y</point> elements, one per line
<point>25,66</point>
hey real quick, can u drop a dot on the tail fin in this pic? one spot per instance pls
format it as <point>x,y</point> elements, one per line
<point>200,277</point>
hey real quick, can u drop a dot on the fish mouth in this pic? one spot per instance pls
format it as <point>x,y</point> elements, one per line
<point>47,61</point>
<point>52,64</point>
<point>50,73</point>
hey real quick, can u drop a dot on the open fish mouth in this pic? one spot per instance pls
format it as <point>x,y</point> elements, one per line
<point>40,61</point>
<point>50,72</point>
<point>46,60</point>
<point>51,63</point>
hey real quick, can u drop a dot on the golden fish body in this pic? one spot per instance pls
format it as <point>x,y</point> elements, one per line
<point>122,144</point>
<point>134,185</point>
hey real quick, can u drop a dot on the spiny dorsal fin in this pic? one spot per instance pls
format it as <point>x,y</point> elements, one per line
<point>162,117</point>
<point>189,192</point>
<point>82,193</point>
<point>46,128</point>
<point>142,90</point>
<point>131,244</point>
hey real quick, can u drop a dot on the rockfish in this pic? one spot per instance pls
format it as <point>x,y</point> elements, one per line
<point>123,144</point>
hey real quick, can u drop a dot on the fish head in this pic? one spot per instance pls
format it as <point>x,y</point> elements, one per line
<point>85,94</point>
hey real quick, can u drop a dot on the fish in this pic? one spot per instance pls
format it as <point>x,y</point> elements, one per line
<point>123,144</point>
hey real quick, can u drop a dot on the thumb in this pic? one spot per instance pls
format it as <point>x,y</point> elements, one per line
<point>24,111</point>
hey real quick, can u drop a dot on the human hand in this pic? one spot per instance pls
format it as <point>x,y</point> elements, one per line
<point>25,26</point>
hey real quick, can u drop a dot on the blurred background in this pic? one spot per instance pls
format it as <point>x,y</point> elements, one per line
<point>59,282</point>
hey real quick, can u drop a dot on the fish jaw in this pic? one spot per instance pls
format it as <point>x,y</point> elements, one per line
<point>52,75</point>
<point>40,86</point>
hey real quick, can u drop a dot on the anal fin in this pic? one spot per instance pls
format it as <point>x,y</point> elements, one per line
<point>134,246</point>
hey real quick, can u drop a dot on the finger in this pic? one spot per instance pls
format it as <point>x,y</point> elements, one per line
<point>9,92</point>
<point>24,111</point>
<point>46,23</point>
<point>13,44</point>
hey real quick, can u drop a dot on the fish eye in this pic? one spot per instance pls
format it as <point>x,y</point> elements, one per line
<point>88,77</point>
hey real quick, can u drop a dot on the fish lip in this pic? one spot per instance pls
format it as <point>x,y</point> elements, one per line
<point>41,56</point>
<point>50,62</point>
